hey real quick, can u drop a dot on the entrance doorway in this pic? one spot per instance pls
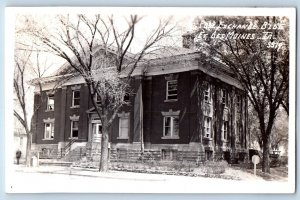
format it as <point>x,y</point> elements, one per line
<point>96,130</point>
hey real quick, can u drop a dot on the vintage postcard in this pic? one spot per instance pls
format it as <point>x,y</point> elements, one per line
<point>150,100</point>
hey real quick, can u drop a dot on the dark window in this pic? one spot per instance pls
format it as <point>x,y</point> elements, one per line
<point>74,129</point>
<point>172,90</point>
<point>126,97</point>
<point>76,98</point>
<point>224,98</point>
<point>50,102</point>
<point>208,155</point>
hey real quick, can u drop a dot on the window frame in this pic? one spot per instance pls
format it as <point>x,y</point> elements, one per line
<point>171,154</point>
<point>76,129</point>
<point>225,127</point>
<point>51,134</point>
<point>48,105</point>
<point>97,100</point>
<point>122,117</point>
<point>168,90</point>
<point>207,126</point>
<point>224,98</point>
<point>172,133</point>
<point>207,93</point>
<point>73,98</point>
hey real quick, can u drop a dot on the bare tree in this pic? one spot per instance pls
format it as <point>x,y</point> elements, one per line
<point>98,50</point>
<point>27,66</point>
<point>258,58</point>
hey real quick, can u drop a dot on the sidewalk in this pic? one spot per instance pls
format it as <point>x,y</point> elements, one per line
<point>89,173</point>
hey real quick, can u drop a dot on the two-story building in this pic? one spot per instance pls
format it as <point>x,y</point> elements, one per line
<point>183,108</point>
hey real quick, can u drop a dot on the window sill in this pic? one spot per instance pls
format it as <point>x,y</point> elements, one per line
<point>170,137</point>
<point>207,138</point>
<point>49,110</point>
<point>73,138</point>
<point>74,106</point>
<point>45,139</point>
<point>122,138</point>
<point>171,100</point>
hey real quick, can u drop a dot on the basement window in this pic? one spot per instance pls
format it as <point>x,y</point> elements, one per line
<point>168,154</point>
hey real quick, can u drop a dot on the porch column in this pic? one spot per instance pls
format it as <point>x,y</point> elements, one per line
<point>62,113</point>
<point>138,116</point>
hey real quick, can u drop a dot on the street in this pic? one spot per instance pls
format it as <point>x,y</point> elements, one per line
<point>64,179</point>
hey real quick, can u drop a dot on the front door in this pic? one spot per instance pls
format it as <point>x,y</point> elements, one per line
<point>96,130</point>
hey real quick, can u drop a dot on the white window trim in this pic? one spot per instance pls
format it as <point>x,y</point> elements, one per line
<point>167,90</point>
<point>71,134</point>
<point>173,114</point>
<point>172,136</point>
<point>73,92</point>
<point>96,99</point>
<point>123,116</point>
<point>225,136</point>
<point>223,91</point>
<point>208,90</point>
<point>51,122</point>
<point>205,127</point>
<point>48,96</point>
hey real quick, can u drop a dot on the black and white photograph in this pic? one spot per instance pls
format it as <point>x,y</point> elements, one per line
<point>150,100</point>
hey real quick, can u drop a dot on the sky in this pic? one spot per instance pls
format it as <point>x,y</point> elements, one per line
<point>143,30</point>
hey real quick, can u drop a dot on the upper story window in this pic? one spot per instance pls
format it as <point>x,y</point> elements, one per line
<point>97,98</point>
<point>50,102</point>
<point>126,97</point>
<point>75,98</point>
<point>224,96</point>
<point>123,125</point>
<point>207,93</point>
<point>225,130</point>
<point>171,90</point>
<point>207,127</point>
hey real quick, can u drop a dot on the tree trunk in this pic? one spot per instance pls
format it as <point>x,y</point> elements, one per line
<point>104,151</point>
<point>28,149</point>
<point>266,154</point>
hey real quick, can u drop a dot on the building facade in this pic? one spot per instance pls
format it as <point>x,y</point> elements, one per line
<point>181,109</point>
